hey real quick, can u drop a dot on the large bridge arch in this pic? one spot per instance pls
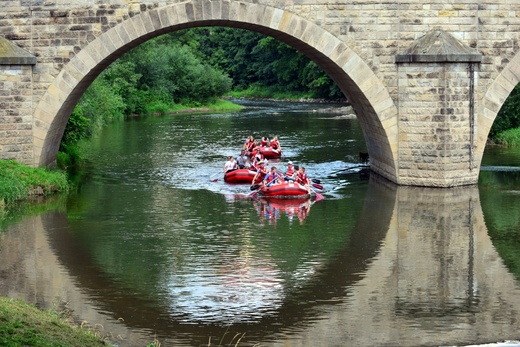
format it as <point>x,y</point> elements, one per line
<point>376,110</point>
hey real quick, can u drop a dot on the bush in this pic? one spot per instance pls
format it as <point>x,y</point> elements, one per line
<point>509,138</point>
<point>16,180</point>
<point>509,115</point>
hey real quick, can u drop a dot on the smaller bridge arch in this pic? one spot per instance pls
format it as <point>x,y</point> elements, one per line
<point>376,110</point>
<point>493,100</point>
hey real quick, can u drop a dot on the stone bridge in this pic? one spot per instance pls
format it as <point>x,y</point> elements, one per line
<point>426,79</point>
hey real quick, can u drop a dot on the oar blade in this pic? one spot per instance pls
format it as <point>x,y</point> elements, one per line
<point>317,186</point>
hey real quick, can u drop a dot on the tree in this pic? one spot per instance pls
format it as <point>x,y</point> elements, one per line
<point>509,115</point>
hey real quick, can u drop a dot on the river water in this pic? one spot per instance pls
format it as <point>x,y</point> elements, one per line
<point>150,246</point>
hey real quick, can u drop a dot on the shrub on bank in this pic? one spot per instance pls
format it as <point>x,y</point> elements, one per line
<point>18,181</point>
<point>509,138</point>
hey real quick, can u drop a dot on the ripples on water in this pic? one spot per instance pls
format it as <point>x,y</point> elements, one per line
<point>151,239</point>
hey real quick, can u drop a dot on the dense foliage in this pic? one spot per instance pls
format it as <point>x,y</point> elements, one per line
<point>508,118</point>
<point>192,67</point>
<point>253,59</point>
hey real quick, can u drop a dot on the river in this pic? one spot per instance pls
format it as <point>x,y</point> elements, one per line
<point>150,246</point>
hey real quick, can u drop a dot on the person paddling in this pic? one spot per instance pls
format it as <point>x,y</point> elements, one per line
<point>231,164</point>
<point>290,174</point>
<point>273,178</point>
<point>275,144</point>
<point>241,161</point>
<point>258,180</point>
<point>264,142</point>
<point>302,179</point>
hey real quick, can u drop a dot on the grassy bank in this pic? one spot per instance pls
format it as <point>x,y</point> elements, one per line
<point>25,325</point>
<point>219,105</point>
<point>262,92</point>
<point>509,138</point>
<point>19,182</point>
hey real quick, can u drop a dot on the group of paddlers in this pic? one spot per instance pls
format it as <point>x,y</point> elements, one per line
<point>251,158</point>
<point>252,147</point>
<point>293,173</point>
<point>251,155</point>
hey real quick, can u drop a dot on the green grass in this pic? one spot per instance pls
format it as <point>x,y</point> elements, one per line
<point>509,138</point>
<point>219,105</point>
<point>224,105</point>
<point>25,325</point>
<point>17,181</point>
<point>262,92</point>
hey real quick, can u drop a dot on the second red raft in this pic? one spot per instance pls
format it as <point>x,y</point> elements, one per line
<point>270,153</point>
<point>286,190</point>
<point>239,176</point>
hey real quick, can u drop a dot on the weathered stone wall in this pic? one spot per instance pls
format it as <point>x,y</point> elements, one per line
<point>435,129</point>
<point>371,33</point>
<point>16,110</point>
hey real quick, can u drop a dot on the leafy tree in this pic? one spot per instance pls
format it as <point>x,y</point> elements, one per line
<point>509,115</point>
<point>173,70</point>
<point>250,58</point>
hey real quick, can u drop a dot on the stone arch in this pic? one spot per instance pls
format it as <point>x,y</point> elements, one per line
<point>376,110</point>
<point>493,99</point>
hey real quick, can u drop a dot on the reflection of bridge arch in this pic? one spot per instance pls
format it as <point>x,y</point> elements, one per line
<point>368,95</point>
<point>296,310</point>
<point>415,254</point>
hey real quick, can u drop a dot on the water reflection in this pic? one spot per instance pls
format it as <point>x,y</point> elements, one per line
<point>271,209</point>
<point>418,268</point>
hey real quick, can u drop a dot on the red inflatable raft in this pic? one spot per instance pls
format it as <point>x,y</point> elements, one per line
<point>270,153</point>
<point>285,190</point>
<point>239,176</point>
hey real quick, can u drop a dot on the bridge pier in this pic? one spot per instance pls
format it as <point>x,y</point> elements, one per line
<point>436,105</point>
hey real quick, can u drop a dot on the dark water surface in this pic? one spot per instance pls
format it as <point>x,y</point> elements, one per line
<point>151,248</point>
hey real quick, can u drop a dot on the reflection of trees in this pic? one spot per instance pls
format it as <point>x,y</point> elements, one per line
<point>502,215</point>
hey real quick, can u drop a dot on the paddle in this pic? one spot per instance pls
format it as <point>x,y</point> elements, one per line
<point>348,169</point>
<point>319,197</point>
<point>214,178</point>
<point>317,186</point>
<point>315,180</point>
<point>255,188</point>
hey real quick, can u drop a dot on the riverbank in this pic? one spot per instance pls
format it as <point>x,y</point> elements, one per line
<point>20,182</point>
<point>220,105</point>
<point>26,325</point>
